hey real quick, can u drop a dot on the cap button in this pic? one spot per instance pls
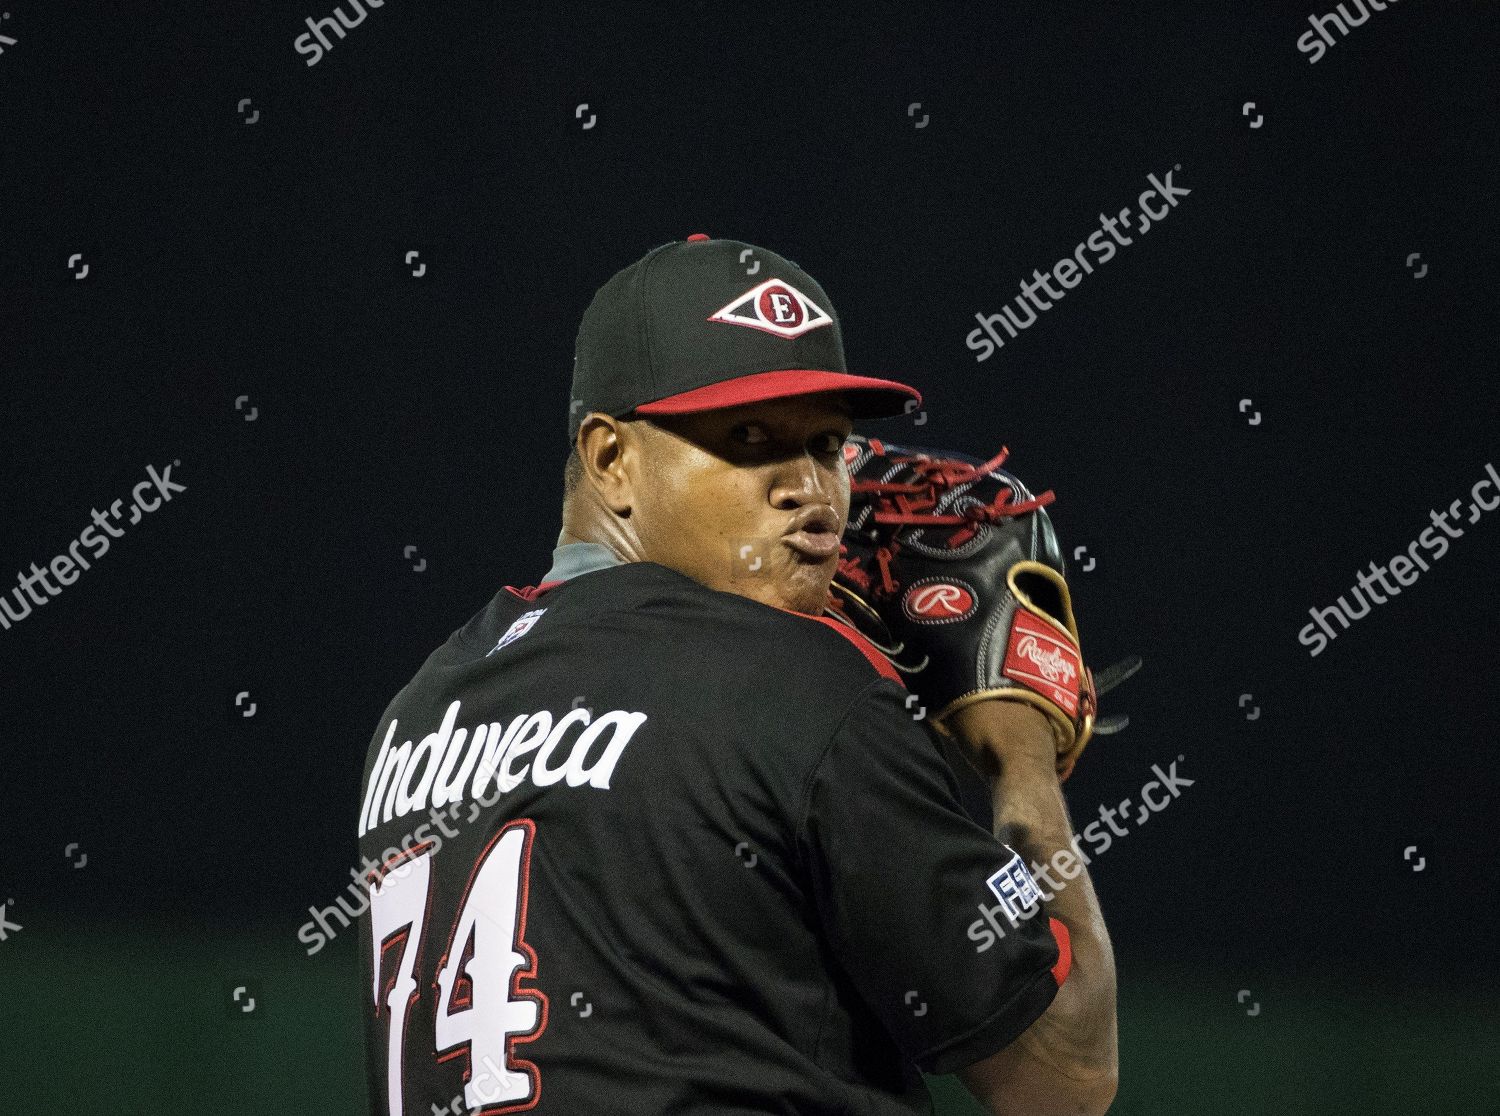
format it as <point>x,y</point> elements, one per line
<point>698,236</point>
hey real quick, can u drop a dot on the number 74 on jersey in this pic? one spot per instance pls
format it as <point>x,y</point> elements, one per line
<point>480,1010</point>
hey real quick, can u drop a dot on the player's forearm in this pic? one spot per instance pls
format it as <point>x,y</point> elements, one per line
<point>1077,1034</point>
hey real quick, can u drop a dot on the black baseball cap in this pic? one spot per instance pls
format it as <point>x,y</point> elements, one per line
<point>698,324</point>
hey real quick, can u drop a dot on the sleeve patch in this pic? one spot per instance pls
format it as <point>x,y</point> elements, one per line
<point>1015,887</point>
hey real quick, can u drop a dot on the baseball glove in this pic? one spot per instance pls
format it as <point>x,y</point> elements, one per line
<point>950,566</point>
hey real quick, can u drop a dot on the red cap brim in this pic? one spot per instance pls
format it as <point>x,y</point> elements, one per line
<point>869,397</point>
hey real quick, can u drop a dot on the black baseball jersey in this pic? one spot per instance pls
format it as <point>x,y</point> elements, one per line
<point>633,845</point>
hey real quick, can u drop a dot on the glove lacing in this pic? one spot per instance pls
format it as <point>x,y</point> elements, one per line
<point>899,504</point>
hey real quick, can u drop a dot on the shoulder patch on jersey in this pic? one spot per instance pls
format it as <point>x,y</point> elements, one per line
<point>519,627</point>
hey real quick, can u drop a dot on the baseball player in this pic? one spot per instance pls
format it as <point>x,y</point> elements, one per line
<point>664,833</point>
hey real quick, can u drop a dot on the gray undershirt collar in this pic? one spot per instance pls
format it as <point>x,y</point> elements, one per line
<point>574,559</point>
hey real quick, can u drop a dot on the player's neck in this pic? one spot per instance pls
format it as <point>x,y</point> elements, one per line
<point>617,544</point>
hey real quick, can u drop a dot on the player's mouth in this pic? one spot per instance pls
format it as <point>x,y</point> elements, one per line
<point>814,533</point>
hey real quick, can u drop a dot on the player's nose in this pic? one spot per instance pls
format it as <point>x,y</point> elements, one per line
<point>806,479</point>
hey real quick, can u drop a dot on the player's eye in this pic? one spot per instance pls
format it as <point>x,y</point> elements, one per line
<point>751,433</point>
<point>830,441</point>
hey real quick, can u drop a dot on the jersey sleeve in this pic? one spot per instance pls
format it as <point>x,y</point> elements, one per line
<point>937,923</point>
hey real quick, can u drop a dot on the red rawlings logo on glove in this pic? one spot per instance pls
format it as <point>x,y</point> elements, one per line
<point>937,601</point>
<point>1053,664</point>
<point>1042,660</point>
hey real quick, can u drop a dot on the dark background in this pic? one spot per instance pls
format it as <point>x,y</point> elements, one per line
<point>265,260</point>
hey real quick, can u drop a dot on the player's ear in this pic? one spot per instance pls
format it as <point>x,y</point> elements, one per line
<point>607,449</point>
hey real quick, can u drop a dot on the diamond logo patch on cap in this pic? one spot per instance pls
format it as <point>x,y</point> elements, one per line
<point>775,307</point>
